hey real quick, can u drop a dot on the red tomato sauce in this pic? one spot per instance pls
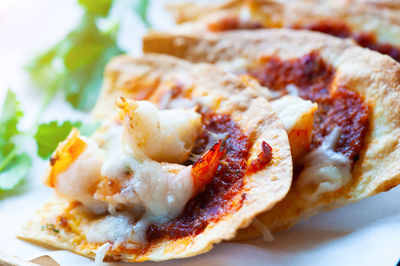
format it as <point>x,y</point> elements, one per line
<point>338,107</point>
<point>366,40</point>
<point>219,196</point>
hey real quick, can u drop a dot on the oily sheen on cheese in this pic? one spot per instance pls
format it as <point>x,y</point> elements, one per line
<point>153,192</point>
<point>324,167</point>
<point>234,133</point>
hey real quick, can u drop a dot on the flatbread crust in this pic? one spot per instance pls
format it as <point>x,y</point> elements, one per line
<point>364,19</point>
<point>375,77</point>
<point>394,4</point>
<point>130,77</point>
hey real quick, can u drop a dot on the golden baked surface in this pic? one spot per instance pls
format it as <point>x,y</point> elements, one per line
<point>373,77</point>
<point>65,224</point>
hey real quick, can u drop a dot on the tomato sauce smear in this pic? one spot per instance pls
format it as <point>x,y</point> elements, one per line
<point>263,158</point>
<point>328,26</point>
<point>366,40</point>
<point>337,107</point>
<point>219,196</point>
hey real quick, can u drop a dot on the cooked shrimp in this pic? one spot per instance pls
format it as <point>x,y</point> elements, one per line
<point>204,169</point>
<point>162,135</point>
<point>75,170</point>
<point>136,173</point>
<point>118,189</point>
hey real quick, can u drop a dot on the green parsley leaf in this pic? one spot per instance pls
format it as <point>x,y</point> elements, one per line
<point>15,172</point>
<point>9,118</point>
<point>76,64</point>
<point>85,62</point>
<point>49,135</point>
<point>14,166</point>
<point>141,9</point>
<point>99,7</point>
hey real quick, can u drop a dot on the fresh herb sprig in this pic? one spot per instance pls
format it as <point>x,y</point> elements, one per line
<point>50,134</point>
<point>75,65</point>
<point>14,163</point>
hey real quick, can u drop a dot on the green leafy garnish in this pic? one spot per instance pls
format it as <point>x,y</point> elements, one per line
<point>9,119</point>
<point>75,65</point>
<point>98,7</point>
<point>49,135</point>
<point>15,172</point>
<point>14,165</point>
<point>141,9</point>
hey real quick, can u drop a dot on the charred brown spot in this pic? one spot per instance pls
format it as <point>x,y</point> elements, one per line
<point>337,107</point>
<point>222,195</point>
<point>53,160</point>
<point>263,159</point>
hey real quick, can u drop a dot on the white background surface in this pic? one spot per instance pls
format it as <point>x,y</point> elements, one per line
<point>366,233</point>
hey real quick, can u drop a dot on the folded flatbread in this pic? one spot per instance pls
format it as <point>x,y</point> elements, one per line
<point>354,150</point>
<point>185,156</point>
<point>371,24</point>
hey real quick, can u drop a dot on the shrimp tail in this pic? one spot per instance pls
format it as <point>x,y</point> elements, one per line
<point>204,169</point>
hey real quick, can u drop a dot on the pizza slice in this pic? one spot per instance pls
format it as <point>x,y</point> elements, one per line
<point>354,148</point>
<point>370,25</point>
<point>185,156</point>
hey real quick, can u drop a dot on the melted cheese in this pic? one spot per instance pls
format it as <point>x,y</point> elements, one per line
<point>293,90</point>
<point>266,233</point>
<point>297,116</point>
<point>325,168</point>
<point>161,193</point>
<point>101,253</point>
<point>116,229</point>
<point>78,181</point>
<point>138,156</point>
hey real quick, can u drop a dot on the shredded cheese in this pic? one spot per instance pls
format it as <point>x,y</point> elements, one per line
<point>325,168</point>
<point>101,254</point>
<point>266,233</point>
